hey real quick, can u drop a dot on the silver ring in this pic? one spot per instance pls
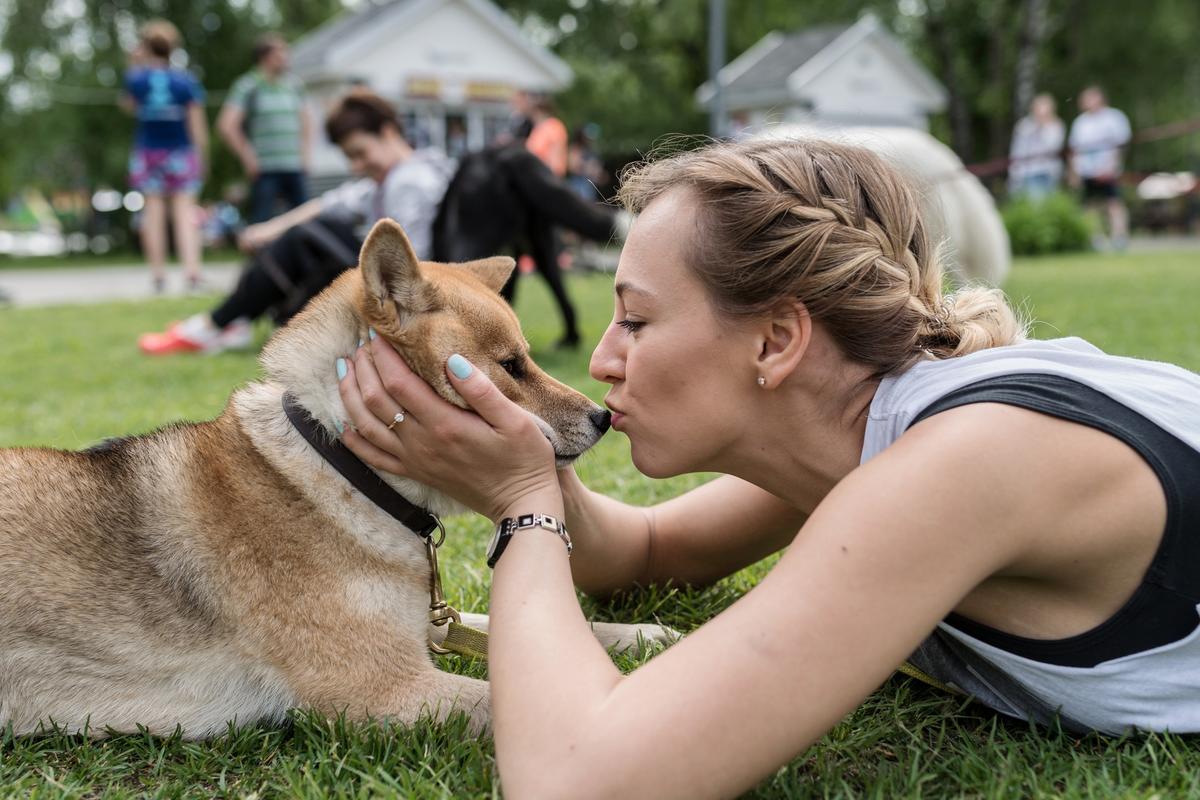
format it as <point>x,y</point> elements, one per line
<point>396,420</point>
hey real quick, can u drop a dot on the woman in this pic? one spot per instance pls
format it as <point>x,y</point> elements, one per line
<point>1013,515</point>
<point>169,152</point>
<point>1036,151</point>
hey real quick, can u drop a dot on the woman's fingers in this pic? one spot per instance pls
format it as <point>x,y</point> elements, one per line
<point>372,455</point>
<point>366,421</point>
<point>390,378</point>
<point>482,395</point>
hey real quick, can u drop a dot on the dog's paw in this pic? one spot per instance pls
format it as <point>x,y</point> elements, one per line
<point>623,638</point>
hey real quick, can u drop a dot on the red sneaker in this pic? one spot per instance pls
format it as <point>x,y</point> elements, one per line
<point>168,342</point>
<point>193,335</point>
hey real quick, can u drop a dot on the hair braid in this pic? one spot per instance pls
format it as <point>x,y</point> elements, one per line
<point>834,226</point>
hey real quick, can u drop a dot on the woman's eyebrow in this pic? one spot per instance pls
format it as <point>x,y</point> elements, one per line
<point>625,286</point>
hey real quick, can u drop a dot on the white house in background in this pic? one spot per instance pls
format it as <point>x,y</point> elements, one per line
<point>450,66</point>
<point>834,75</point>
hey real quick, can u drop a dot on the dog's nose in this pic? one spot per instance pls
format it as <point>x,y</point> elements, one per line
<point>601,419</point>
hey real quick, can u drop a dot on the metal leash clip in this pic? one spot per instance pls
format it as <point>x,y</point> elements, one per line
<point>440,612</point>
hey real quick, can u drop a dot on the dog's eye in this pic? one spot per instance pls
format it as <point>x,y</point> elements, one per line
<point>514,367</point>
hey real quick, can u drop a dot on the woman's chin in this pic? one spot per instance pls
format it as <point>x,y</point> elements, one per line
<point>650,466</point>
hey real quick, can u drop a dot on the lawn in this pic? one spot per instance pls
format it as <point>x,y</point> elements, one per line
<point>72,376</point>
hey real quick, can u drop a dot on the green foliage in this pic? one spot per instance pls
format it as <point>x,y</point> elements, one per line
<point>73,375</point>
<point>1054,224</point>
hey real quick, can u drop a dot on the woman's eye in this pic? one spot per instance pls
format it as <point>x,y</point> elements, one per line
<point>513,367</point>
<point>630,325</point>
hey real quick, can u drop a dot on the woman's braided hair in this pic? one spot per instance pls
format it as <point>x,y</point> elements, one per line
<point>834,226</point>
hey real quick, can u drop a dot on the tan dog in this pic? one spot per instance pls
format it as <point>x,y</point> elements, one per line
<point>223,571</point>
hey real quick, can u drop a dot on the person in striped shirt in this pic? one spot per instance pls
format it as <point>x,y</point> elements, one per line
<point>265,123</point>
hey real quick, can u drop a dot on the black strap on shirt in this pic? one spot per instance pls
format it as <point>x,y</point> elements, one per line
<point>1163,608</point>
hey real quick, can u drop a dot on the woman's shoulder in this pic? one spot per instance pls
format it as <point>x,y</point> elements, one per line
<point>1146,386</point>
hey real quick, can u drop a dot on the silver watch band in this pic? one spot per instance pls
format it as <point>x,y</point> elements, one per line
<point>545,522</point>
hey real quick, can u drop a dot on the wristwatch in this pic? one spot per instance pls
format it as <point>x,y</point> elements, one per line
<point>508,526</point>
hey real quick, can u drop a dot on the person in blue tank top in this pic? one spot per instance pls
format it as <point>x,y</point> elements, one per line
<point>168,160</point>
<point>1019,519</point>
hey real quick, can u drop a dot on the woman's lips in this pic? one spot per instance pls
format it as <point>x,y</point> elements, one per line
<point>617,419</point>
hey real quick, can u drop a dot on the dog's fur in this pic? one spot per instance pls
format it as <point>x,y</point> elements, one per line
<point>222,571</point>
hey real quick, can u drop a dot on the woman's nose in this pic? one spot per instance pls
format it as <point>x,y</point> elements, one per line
<point>606,365</point>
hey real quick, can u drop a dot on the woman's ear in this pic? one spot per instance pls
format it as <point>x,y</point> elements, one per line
<point>784,337</point>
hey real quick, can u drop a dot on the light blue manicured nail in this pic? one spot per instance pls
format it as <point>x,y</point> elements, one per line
<point>360,342</point>
<point>341,368</point>
<point>461,368</point>
<point>337,423</point>
<point>371,332</point>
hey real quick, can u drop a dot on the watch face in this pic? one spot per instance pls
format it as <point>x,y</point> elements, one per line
<point>495,540</point>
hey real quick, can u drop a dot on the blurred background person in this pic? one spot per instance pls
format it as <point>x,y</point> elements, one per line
<point>585,169</point>
<point>170,150</point>
<point>264,122</point>
<point>1036,151</point>
<point>1097,136</point>
<point>545,136</point>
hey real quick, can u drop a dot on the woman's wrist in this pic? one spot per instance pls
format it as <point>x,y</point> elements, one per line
<point>543,500</point>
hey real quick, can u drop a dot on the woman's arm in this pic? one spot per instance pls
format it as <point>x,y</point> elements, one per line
<point>263,233</point>
<point>697,538</point>
<point>197,124</point>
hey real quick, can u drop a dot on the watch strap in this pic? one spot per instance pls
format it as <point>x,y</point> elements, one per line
<point>510,526</point>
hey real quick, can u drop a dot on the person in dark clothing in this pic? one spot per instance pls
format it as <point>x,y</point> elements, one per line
<point>506,189</point>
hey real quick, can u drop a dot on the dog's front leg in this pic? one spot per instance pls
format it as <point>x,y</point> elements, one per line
<point>373,673</point>
<point>618,637</point>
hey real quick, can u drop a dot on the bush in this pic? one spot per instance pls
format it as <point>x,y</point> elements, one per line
<point>1054,224</point>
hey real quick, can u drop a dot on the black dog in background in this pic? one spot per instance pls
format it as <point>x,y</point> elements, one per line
<point>504,197</point>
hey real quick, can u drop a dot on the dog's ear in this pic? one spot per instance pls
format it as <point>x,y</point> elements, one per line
<point>391,272</point>
<point>493,272</point>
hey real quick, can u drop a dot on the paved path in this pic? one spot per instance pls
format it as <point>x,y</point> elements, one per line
<point>67,285</point>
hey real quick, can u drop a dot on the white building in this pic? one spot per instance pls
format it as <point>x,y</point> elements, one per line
<point>834,75</point>
<point>450,66</point>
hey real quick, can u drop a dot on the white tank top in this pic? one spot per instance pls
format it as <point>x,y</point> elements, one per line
<point>1156,689</point>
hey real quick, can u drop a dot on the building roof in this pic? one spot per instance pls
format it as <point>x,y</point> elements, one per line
<point>779,65</point>
<point>312,51</point>
<point>791,51</point>
<point>318,52</point>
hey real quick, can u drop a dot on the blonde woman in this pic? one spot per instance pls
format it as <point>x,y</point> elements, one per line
<point>1020,518</point>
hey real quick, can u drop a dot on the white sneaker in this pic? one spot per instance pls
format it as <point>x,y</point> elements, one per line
<point>237,335</point>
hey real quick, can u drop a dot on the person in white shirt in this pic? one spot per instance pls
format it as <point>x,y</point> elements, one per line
<point>1036,151</point>
<point>1097,136</point>
<point>309,245</point>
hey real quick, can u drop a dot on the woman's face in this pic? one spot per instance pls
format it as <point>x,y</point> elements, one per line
<point>372,155</point>
<point>679,372</point>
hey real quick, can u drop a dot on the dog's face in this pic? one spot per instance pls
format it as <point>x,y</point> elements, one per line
<point>430,311</point>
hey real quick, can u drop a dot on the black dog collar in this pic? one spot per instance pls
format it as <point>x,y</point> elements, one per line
<point>361,477</point>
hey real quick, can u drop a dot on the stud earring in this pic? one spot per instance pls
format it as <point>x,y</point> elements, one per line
<point>762,381</point>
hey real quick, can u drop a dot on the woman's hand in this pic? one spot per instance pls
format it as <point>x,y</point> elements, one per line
<point>254,237</point>
<point>491,461</point>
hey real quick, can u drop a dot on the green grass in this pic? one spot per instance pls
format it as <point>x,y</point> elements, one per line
<point>72,376</point>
